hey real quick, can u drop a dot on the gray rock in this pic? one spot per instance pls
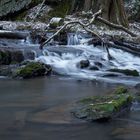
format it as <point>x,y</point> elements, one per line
<point>94,68</point>
<point>83,64</point>
<point>12,6</point>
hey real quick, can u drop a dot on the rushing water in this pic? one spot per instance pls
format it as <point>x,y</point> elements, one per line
<point>66,63</point>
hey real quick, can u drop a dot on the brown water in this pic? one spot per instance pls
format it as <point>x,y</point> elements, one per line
<point>39,109</point>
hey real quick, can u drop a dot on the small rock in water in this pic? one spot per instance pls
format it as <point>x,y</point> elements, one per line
<point>94,68</point>
<point>83,64</point>
<point>98,64</point>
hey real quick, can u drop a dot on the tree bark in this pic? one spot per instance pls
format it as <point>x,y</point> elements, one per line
<point>112,10</point>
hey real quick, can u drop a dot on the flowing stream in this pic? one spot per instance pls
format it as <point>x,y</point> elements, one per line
<point>41,108</point>
<point>65,60</point>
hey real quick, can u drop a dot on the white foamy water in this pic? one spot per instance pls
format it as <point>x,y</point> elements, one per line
<point>67,63</point>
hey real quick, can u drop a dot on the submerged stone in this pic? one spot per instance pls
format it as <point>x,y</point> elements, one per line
<point>102,108</point>
<point>126,71</point>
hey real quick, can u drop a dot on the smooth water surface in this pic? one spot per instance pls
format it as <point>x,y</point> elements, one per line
<point>40,109</point>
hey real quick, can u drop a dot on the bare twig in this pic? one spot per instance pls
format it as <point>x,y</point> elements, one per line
<point>93,18</point>
<point>116,26</point>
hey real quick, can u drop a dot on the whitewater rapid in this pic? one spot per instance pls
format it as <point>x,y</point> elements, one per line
<point>65,63</point>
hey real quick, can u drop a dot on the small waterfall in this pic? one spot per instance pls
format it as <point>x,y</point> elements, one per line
<point>73,39</point>
<point>66,63</point>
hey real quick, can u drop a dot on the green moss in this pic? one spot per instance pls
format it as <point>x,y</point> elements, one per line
<point>102,107</point>
<point>32,69</point>
<point>121,90</point>
<point>126,72</point>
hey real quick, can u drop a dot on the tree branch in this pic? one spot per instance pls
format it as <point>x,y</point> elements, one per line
<point>38,10</point>
<point>85,26</point>
<point>116,26</point>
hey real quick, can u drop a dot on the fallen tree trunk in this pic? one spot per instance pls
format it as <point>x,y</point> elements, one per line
<point>13,34</point>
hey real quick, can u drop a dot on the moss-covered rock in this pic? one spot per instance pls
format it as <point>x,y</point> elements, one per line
<point>102,108</point>
<point>126,71</point>
<point>32,69</point>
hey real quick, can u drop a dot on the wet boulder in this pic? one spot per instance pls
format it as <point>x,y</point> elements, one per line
<point>83,64</point>
<point>127,72</point>
<point>99,64</point>
<point>103,108</point>
<point>94,68</point>
<point>32,69</point>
